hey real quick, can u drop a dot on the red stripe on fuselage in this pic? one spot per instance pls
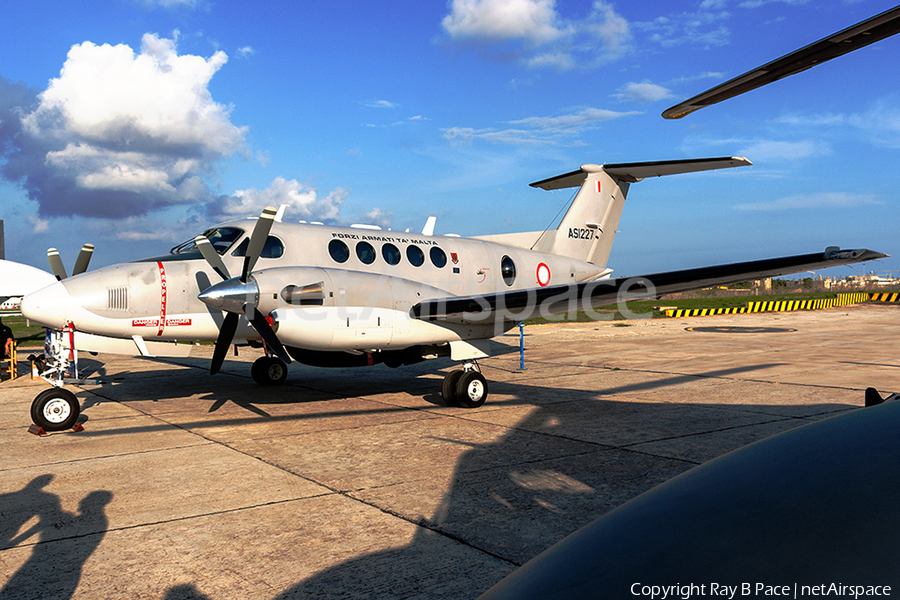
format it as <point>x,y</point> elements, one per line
<point>162,298</point>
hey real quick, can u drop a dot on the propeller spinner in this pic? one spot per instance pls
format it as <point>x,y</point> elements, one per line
<point>239,295</point>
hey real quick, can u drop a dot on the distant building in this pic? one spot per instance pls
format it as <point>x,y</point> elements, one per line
<point>871,279</point>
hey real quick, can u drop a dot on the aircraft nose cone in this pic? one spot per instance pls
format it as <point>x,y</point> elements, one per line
<point>48,306</point>
<point>231,295</point>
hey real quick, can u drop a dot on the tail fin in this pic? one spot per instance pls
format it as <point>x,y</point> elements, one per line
<point>587,230</point>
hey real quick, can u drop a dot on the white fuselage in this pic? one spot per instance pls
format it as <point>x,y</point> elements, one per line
<point>357,304</point>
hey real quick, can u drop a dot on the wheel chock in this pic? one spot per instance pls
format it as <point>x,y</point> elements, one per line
<point>39,431</point>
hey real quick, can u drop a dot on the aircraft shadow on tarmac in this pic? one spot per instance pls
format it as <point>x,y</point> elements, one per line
<point>576,455</point>
<point>305,384</point>
<point>319,386</point>
<point>513,498</point>
<point>65,540</point>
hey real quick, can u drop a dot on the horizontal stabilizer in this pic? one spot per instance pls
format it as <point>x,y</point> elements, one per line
<point>633,172</point>
<point>525,304</point>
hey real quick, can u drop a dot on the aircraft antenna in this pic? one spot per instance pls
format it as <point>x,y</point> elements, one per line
<point>553,220</point>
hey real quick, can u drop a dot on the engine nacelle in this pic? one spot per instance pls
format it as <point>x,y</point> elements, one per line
<point>334,309</point>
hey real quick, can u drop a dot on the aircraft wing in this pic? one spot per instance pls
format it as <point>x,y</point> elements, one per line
<point>847,40</point>
<point>517,305</point>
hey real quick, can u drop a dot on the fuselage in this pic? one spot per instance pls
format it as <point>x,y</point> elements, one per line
<point>326,288</point>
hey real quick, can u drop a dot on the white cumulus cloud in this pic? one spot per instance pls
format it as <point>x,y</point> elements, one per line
<point>120,133</point>
<point>535,33</point>
<point>304,203</point>
<point>533,20</point>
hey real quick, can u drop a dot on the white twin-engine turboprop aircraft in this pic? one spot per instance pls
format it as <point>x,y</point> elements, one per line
<point>350,296</point>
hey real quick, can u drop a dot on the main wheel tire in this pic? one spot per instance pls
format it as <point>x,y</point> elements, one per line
<point>269,370</point>
<point>448,389</point>
<point>55,409</point>
<point>471,389</point>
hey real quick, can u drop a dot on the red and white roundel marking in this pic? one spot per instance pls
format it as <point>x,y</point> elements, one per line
<point>543,275</point>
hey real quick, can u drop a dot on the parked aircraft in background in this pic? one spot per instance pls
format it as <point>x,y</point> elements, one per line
<point>837,44</point>
<point>350,296</point>
<point>17,280</point>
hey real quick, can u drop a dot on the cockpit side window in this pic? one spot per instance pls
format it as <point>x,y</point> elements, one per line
<point>273,248</point>
<point>221,239</point>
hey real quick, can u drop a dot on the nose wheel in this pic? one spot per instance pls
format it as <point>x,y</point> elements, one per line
<point>55,409</point>
<point>269,370</point>
<point>466,388</point>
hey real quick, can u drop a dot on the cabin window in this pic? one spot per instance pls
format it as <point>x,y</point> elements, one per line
<point>391,254</point>
<point>415,256</point>
<point>365,252</point>
<point>273,248</point>
<point>508,270</point>
<point>338,251</point>
<point>438,258</point>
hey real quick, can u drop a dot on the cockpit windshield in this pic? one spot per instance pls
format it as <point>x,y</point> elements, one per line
<point>273,248</point>
<point>221,239</point>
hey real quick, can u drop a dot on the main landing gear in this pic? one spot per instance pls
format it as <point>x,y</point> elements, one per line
<point>269,370</point>
<point>466,388</point>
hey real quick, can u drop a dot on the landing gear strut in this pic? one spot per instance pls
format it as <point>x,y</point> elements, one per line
<point>466,388</point>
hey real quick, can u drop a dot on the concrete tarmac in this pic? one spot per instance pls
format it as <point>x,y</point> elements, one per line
<point>359,483</point>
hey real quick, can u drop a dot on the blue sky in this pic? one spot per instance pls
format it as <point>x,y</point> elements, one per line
<point>135,124</point>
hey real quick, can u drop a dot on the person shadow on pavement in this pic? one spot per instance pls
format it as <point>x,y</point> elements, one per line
<point>65,540</point>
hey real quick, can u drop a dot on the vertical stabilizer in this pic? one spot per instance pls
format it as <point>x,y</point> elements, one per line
<point>588,228</point>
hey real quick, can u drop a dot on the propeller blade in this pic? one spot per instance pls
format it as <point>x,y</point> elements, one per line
<point>258,240</point>
<point>211,256</point>
<point>56,264</point>
<point>84,259</point>
<point>265,330</point>
<point>226,335</point>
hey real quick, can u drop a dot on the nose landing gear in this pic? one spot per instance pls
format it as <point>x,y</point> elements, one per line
<point>57,409</point>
